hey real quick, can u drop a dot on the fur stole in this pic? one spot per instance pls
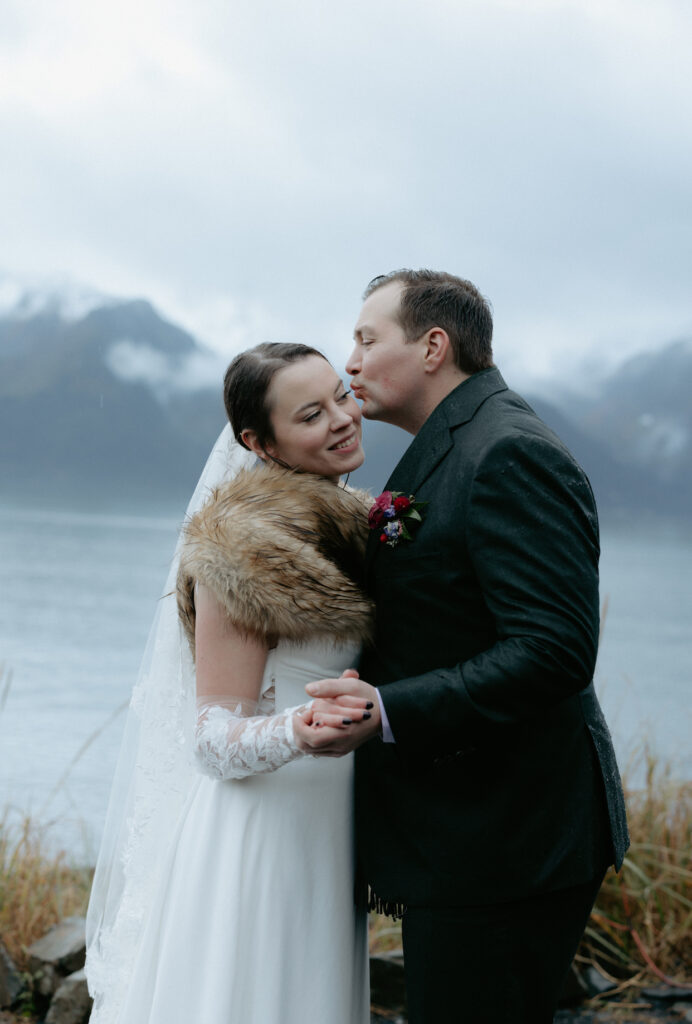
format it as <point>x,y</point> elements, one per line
<point>284,553</point>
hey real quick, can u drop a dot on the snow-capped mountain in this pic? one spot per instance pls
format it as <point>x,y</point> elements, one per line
<point>23,296</point>
<point>642,416</point>
<point>104,396</point>
<point>110,396</point>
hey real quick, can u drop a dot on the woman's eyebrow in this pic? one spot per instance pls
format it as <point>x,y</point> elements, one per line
<point>307,405</point>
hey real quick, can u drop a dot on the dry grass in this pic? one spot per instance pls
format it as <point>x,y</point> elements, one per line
<point>641,927</point>
<point>37,887</point>
<point>384,934</point>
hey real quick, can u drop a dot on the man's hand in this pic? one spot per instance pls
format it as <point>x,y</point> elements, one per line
<point>345,713</point>
<point>343,709</point>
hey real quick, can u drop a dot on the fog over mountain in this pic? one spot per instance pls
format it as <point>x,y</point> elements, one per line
<point>116,402</point>
<point>104,399</point>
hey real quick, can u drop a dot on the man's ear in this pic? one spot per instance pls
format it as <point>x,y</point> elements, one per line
<point>436,349</point>
<point>250,439</point>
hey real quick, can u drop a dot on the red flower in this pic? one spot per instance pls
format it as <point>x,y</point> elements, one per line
<point>396,515</point>
<point>384,501</point>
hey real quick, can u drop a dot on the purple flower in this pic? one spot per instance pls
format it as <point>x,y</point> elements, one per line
<point>390,512</point>
<point>392,530</point>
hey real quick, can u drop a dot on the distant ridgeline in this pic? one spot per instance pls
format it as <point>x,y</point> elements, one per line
<point>114,401</point>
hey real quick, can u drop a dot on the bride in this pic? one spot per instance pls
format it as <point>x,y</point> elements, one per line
<point>224,886</point>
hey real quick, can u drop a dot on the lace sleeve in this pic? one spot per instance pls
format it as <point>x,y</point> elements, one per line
<point>231,742</point>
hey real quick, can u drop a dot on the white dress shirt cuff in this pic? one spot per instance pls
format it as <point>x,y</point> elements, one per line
<point>387,734</point>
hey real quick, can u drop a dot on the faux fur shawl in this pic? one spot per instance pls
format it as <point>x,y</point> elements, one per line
<point>283,552</point>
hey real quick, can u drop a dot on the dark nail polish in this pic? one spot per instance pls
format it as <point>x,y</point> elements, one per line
<point>366,714</point>
<point>347,721</point>
<point>369,705</point>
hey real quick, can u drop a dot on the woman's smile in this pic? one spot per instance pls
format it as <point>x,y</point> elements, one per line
<point>349,443</point>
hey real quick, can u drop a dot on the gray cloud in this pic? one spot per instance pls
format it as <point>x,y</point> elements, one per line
<point>249,169</point>
<point>138,362</point>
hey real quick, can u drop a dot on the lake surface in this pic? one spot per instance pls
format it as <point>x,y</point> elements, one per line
<point>79,592</point>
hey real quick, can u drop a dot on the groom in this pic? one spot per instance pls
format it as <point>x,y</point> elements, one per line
<point>488,801</point>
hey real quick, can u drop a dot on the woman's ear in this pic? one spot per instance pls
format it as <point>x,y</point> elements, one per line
<point>249,437</point>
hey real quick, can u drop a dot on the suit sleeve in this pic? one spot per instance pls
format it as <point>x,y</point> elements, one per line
<point>532,538</point>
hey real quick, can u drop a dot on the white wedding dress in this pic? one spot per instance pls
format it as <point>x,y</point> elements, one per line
<point>253,918</point>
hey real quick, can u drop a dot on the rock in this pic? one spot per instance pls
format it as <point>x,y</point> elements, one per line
<point>595,982</point>
<point>684,1009</point>
<point>668,993</point>
<point>71,1004</point>
<point>63,947</point>
<point>11,983</point>
<point>387,986</point>
<point>45,980</point>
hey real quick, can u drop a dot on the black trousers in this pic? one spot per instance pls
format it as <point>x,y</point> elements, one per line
<point>498,964</point>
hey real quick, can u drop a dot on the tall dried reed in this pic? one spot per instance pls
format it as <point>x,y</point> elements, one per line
<point>38,886</point>
<point>641,927</point>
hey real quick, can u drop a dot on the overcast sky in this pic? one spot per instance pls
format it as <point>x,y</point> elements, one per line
<point>250,166</point>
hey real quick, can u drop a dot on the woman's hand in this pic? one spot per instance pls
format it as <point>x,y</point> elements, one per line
<point>343,710</point>
<point>345,713</point>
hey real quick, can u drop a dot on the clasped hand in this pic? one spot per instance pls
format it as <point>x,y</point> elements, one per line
<point>344,714</point>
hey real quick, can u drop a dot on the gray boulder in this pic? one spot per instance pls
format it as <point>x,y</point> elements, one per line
<point>71,1004</point>
<point>387,985</point>
<point>11,983</point>
<point>44,981</point>
<point>63,948</point>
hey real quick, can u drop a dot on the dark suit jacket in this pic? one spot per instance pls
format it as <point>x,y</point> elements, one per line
<point>502,781</point>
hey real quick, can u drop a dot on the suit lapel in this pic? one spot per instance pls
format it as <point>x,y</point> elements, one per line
<point>426,451</point>
<point>428,448</point>
<point>435,439</point>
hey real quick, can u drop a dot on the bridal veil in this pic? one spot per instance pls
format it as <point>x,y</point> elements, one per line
<point>153,778</point>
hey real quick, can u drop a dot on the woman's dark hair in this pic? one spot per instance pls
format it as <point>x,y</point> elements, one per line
<point>247,382</point>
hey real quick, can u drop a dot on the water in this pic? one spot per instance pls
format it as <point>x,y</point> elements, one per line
<point>79,592</point>
<point>644,665</point>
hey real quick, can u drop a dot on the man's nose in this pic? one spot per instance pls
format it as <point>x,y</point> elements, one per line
<point>353,364</point>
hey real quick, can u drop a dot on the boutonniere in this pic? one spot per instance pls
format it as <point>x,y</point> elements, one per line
<point>397,516</point>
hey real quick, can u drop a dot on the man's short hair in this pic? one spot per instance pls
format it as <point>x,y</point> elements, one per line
<point>431,298</point>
